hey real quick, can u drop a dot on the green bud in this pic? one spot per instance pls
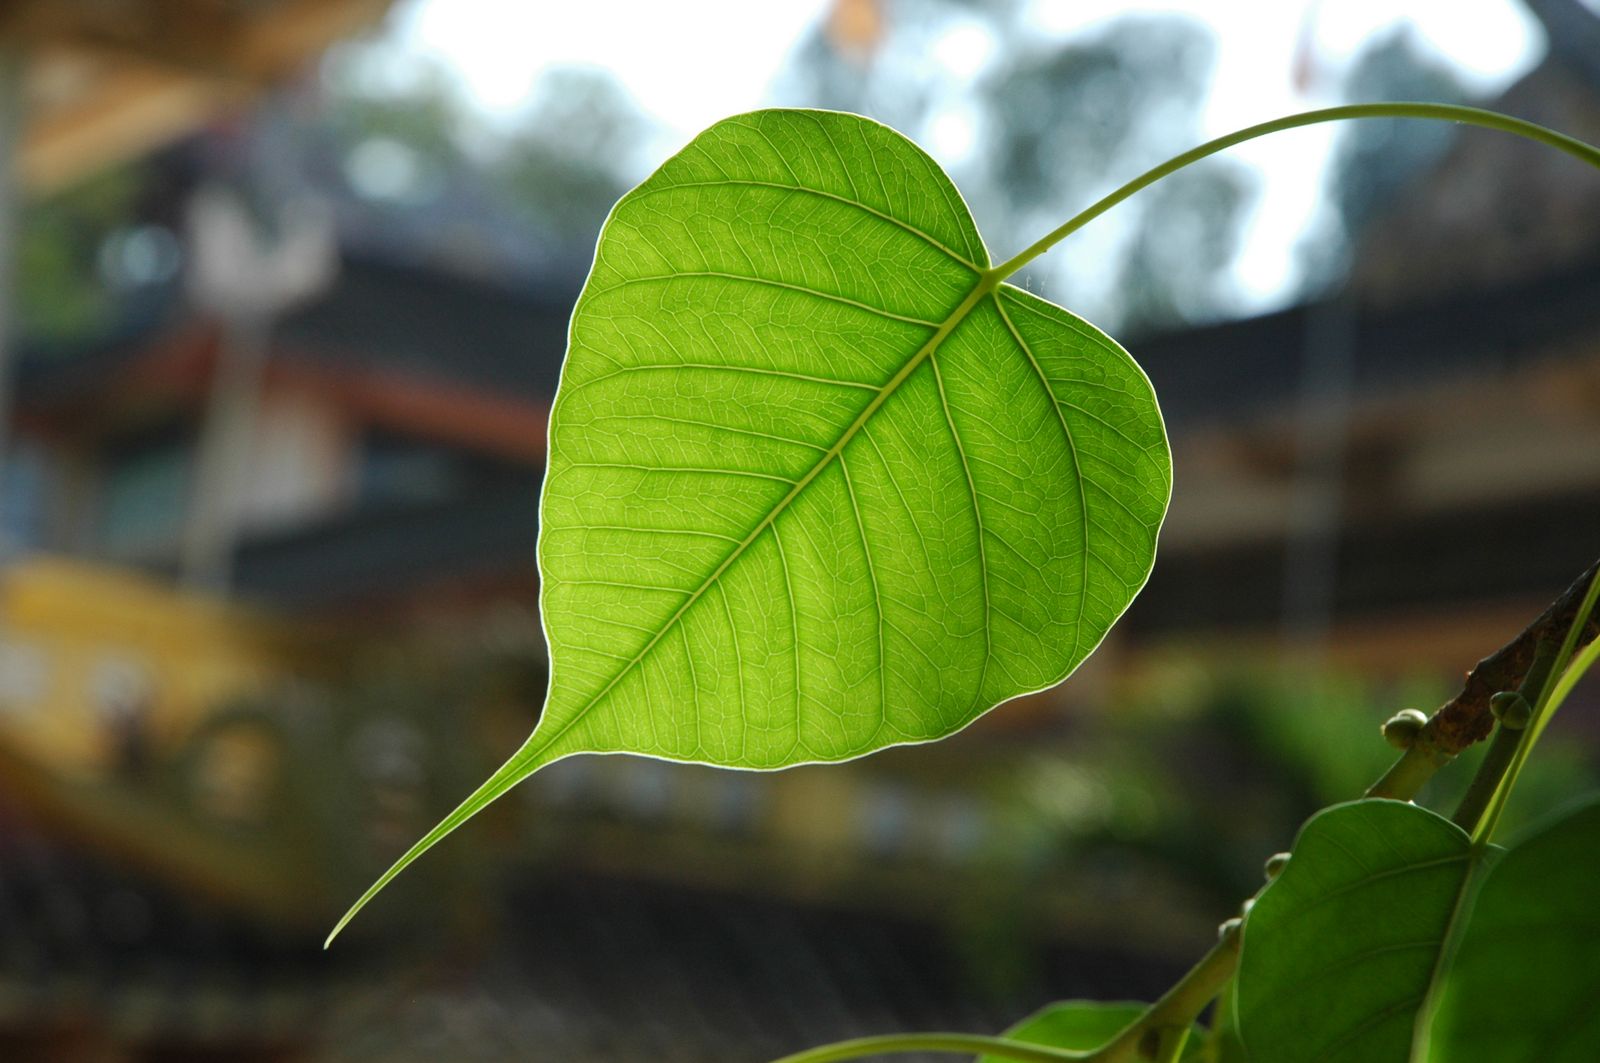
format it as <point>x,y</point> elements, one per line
<point>1401,729</point>
<point>1275,865</point>
<point>1511,709</point>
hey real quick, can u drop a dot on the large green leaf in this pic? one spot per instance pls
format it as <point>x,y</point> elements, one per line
<point>1525,984</point>
<point>1341,950</point>
<point>819,481</point>
<point>1079,1024</point>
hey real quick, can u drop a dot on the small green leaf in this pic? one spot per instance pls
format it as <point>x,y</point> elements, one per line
<point>1342,948</point>
<point>819,482</point>
<point>1525,984</point>
<point>1078,1024</point>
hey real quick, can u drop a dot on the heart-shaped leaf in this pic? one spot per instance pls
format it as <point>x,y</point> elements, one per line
<point>819,482</point>
<point>1525,983</point>
<point>1342,949</point>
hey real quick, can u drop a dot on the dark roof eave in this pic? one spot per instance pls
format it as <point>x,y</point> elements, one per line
<point>1237,368</point>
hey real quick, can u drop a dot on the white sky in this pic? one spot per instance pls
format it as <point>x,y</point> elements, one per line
<point>690,62</point>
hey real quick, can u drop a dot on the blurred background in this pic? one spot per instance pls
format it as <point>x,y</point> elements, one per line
<point>284,286</point>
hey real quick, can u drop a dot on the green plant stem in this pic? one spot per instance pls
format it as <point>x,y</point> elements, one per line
<point>1431,111</point>
<point>953,1043</point>
<point>1466,718</point>
<point>1401,782</point>
<point>1575,671</point>
<point>1222,1039</point>
<point>1503,748</point>
<point>1166,1021</point>
<point>1169,1044</point>
<point>1496,760</point>
<point>1178,1007</point>
<point>1576,631</point>
<point>1405,778</point>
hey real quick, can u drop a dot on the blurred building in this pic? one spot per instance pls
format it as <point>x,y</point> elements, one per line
<point>1420,450</point>
<point>397,442</point>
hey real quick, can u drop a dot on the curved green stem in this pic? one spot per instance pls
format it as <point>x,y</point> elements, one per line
<point>1575,671</point>
<point>1169,1044</point>
<point>1497,760</point>
<point>953,1043</point>
<point>1221,1042</point>
<point>1502,752</point>
<point>1433,111</point>
<point>1542,708</point>
<point>1406,777</point>
<point>1179,1006</point>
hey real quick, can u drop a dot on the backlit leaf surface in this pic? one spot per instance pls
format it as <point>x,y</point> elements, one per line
<point>819,482</point>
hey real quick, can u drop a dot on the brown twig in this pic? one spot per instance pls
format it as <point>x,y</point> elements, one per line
<point>1459,722</point>
<point>1466,718</point>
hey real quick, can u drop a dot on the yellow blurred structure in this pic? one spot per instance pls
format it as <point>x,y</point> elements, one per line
<point>93,653</point>
<point>109,688</point>
<point>119,721</point>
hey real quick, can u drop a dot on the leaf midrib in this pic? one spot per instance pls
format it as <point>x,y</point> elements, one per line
<point>988,282</point>
<point>1480,858</point>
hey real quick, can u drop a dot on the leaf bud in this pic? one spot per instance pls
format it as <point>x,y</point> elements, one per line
<point>1401,729</point>
<point>1511,709</point>
<point>1275,865</point>
<point>1229,926</point>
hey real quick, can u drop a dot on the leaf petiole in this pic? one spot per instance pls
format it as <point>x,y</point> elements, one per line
<point>1543,707</point>
<point>952,1043</point>
<point>1575,671</point>
<point>1180,1005</point>
<point>1443,112</point>
<point>1165,1023</point>
<point>1509,736</point>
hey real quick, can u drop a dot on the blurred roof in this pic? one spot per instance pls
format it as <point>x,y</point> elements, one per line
<point>107,80</point>
<point>1228,373</point>
<point>370,559</point>
<point>433,323</point>
<point>421,327</point>
<point>429,354</point>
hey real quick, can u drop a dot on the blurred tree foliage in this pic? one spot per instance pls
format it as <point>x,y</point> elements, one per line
<point>1201,770</point>
<point>412,149</point>
<point>61,293</point>
<point>396,146</point>
<point>569,162</point>
<point>1375,161</point>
